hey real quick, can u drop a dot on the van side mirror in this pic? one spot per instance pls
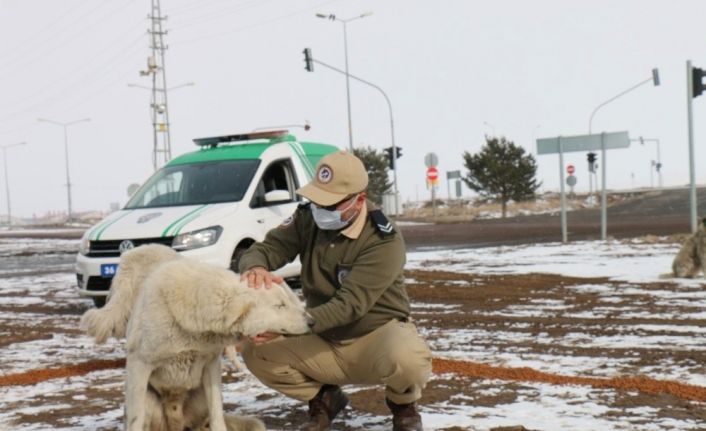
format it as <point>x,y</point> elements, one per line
<point>277,196</point>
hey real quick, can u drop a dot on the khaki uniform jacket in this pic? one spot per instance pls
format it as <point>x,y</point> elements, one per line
<point>352,286</point>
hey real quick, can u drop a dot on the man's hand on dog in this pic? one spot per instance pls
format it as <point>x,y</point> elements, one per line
<point>258,276</point>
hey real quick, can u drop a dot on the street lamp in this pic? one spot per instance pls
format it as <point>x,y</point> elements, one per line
<point>7,182</point>
<point>392,124</point>
<point>66,152</point>
<point>655,80</point>
<point>345,22</point>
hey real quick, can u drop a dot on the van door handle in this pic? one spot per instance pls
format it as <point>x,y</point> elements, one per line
<point>262,220</point>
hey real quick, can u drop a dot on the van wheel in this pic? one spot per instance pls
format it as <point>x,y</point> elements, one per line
<point>237,254</point>
<point>99,301</point>
<point>294,282</point>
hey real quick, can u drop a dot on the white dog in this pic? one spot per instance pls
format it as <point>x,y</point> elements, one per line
<point>691,258</point>
<point>178,314</point>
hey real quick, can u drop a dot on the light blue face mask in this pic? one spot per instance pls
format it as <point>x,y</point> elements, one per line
<point>330,220</point>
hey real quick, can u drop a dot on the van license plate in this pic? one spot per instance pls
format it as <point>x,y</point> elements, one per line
<point>108,270</point>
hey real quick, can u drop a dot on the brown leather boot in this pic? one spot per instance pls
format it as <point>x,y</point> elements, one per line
<point>405,417</point>
<point>324,407</point>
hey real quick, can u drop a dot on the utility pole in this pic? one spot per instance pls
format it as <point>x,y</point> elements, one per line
<point>70,213</point>
<point>162,148</point>
<point>7,181</point>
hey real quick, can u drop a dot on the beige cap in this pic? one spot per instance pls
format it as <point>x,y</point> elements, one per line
<point>338,175</point>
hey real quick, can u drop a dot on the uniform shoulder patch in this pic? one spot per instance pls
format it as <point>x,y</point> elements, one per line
<point>381,223</point>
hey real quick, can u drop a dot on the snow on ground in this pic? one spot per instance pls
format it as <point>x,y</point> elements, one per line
<point>631,267</point>
<point>632,261</point>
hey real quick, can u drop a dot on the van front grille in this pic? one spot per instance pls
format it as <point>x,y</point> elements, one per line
<point>111,248</point>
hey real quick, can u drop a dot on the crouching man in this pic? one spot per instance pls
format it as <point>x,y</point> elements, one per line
<point>352,279</point>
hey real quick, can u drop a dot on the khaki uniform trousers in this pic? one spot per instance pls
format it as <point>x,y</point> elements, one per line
<point>297,366</point>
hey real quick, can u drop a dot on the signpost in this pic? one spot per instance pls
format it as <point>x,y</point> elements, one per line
<point>452,175</point>
<point>564,144</point>
<point>433,175</point>
<point>431,161</point>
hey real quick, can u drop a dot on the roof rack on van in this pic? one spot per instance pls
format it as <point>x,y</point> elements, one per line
<point>214,141</point>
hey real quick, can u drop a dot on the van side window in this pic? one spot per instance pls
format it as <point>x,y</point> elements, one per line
<point>278,176</point>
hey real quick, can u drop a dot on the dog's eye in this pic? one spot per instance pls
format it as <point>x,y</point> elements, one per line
<point>281,305</point>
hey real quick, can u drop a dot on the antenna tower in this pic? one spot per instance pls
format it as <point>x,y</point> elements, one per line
<point>162,151</point>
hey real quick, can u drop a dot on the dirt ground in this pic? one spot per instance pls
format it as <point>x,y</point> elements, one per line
<point>468,309</point>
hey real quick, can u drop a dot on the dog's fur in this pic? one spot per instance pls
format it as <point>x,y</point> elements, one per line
<point>691,258</point>
<point>177,315</point>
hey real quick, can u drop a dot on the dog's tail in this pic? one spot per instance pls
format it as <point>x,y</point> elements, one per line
<point>134,267</point>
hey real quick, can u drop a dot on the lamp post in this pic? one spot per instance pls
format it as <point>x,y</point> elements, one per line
<point>604,214</point>
<point>7,182</point>
<point>655,80</point>
<point>345,22</point>
<point>306,126</point>
<point>66,152</point>
<point>392,124</point>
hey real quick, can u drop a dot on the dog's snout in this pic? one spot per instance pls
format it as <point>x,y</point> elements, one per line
<point>310,321</point>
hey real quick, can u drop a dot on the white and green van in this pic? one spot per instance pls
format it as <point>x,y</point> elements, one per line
<point>210,204</point>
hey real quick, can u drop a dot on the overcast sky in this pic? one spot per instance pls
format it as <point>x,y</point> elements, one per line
<point>454,71</point>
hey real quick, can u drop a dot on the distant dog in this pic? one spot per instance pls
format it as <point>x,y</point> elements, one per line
<point>178,315</point>
<point>691,258</point>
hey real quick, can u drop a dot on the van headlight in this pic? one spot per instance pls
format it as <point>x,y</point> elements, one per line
<point>197,239</point>
<point>85,247</point>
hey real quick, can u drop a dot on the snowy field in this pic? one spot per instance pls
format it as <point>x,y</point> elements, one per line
<point>605,313</point>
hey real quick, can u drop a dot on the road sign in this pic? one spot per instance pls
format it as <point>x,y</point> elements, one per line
<point>583,142</point>
<point>432,174</point>
<point>571,180</point>
<point>431,160</point>
<point>570,169</point>
<point>450,175</point>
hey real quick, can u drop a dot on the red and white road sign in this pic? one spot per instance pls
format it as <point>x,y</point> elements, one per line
<point>570,169</point>
<point>432,173</point>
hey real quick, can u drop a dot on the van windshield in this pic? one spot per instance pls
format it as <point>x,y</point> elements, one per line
<point>196,184</point>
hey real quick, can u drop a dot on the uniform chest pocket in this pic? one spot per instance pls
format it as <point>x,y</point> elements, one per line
<point>342,271</point>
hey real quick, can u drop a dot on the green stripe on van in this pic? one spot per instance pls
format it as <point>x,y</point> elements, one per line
<point>102,228</point>
<point>182,218</point>
<point>299,151</point>
<point>187,220</point>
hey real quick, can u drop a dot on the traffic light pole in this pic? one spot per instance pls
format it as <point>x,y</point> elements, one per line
<point>392,122</point>
<point>564,230</point>
<point>692,174</point>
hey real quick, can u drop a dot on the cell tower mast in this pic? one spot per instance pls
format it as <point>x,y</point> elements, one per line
<point>162,151</point>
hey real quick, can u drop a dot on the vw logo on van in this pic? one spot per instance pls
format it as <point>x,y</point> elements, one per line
<point>125,246</point>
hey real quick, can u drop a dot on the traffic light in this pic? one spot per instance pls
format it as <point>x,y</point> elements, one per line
<point>591,161</point>
<point>697,81</point>
<point>308,60</point>
<point>390,156</point>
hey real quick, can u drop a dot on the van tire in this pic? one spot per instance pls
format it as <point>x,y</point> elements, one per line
<point>238,253</point>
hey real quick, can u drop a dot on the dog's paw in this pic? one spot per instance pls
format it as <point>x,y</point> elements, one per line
<point>244,423</point>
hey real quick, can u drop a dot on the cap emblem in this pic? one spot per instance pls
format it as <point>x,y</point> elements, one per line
<point>325,174</point>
